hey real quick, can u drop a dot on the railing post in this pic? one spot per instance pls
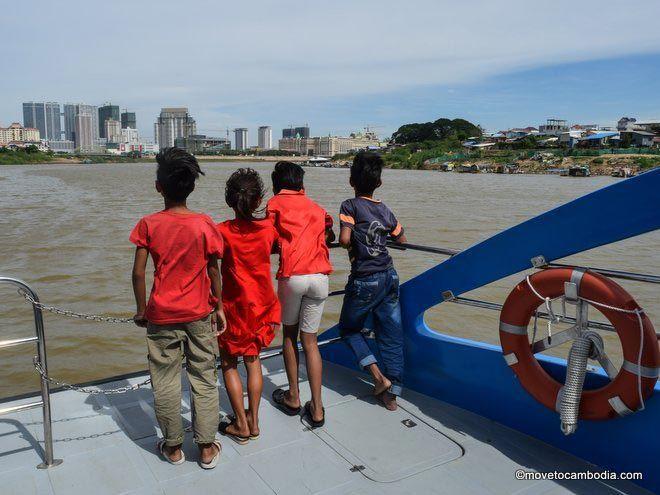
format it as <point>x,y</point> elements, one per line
<point>49,460</point>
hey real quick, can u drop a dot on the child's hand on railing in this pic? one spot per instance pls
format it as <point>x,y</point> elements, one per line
<point>218,321</point>
<point>140,320</point>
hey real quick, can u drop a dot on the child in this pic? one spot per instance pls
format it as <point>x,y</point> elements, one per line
<point>185,247</point>
<point>373,285</point>
<point>248,298</point>
<point>302,286</point>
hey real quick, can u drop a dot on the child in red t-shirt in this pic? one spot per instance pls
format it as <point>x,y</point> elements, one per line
<point>248,298</point>
<point>183,307</point>
<point>305,229</point>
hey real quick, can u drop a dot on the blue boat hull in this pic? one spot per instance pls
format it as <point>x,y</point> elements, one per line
<point>474,376</point>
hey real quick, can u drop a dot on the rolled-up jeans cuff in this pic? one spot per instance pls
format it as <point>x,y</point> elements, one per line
<point>367,360</point>
<point>396,389</point>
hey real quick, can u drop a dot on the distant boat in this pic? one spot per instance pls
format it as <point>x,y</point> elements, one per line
<point>576,171</point>
<point>623,172</point>
<point>317,160</point>
<point>467,169</point>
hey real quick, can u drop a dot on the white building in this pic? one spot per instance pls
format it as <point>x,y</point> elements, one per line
<point>16,133</point>
<point>129,136</point>
<point>330,145</point>
<point>265,141</point>
<point>173,122</point>
<point>112,130</point>
<point>241,139</point>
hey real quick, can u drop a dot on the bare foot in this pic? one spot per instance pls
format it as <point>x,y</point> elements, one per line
<point>233,429</point>
<point>254,429</point>
<point>317,414</point>
<point>174,454</point>
<point>381,386</point>
<point>207,452</point>
<point>388,400</point>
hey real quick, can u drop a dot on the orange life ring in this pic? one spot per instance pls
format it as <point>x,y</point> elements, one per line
<point>621,395</point>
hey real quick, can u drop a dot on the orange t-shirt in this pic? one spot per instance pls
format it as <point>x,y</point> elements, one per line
<point>180,245</point>
<point>301,225</point>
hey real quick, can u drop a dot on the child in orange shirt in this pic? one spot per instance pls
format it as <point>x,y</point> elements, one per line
<point>248,299</point>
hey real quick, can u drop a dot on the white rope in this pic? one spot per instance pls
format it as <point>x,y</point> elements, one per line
<point>637,311</point>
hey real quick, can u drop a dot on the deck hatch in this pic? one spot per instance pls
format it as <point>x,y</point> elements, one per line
<point>387,446</point>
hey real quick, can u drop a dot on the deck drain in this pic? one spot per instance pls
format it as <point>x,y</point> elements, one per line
<point>408,423</point>
<point>357,468</point>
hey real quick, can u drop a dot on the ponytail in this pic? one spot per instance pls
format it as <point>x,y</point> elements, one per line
<point>244,192</point>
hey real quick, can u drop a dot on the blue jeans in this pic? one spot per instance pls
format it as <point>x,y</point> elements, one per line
<point>375,295</point>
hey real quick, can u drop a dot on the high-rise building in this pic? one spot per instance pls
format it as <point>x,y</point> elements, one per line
<point>84,131</point>
<point>69,121</point>
<point>301,132</point>
<point>265,138</point>
<point>173,122</point>
<point>45,117</point>
<point>106,112</point>
<point>84,142</point>
<point>128,120</point>
<point>112,130</point>
<point>240,138</point>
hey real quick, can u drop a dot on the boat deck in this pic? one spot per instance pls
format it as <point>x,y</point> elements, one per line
<point>427,446</point>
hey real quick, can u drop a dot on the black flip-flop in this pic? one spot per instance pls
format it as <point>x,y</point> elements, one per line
<point>222,428</point>
<point>308,413</point>
<point>278,398</point>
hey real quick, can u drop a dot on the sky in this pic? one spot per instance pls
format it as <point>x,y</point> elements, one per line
<point>338,66</point>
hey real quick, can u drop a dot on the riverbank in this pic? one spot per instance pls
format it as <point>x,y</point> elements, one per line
<point>21,157</point>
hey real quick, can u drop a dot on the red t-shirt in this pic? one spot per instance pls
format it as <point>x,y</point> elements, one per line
<point>301,224</point>
<point>180,245</point>
<point>248,297</point>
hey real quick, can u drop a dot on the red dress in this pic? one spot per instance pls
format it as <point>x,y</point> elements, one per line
<point>248,297</point>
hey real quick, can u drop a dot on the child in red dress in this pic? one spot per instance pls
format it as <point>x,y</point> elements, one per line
<point>249,300</point>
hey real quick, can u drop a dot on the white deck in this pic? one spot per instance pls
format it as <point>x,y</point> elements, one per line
<point>108,447</point>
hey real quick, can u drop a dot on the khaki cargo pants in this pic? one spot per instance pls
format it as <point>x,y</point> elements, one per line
<point>167,345</point>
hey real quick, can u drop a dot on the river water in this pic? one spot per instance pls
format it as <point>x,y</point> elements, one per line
<point>65,231</point>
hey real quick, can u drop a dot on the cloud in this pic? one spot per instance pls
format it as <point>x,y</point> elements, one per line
<point>217,56</point>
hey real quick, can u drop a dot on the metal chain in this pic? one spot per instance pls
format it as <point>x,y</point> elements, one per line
<point>91,391</point>
<point>72,314</point>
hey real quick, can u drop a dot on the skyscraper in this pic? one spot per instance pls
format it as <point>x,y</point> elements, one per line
<point>45,117</point>
<point>301,132</point>
<point>84,131</point>
<point>172,123</point>
<point>128,120</point>
<point>265,141</point>
<point>112,130</point>
<point>240,138</point>
<point>87,124</point>
<point>106,112</point>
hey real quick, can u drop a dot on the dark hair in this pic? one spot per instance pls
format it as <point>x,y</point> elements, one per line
<point>365,172</point>
<point>287,175</point>
<point>177,173</point>
<point>244,192</point>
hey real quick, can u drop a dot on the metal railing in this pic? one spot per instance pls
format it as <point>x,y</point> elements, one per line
<point>448,297</point>
<point>41,360</point>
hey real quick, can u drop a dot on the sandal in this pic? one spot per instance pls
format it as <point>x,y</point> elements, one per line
<point>222,428</point>
<point>308,414</point>
<point>278,398</point>
<point>216,458</point>
<point>252,436</point>
<point>161,448</point>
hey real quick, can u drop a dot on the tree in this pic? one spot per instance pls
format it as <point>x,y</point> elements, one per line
<point>440,130</point>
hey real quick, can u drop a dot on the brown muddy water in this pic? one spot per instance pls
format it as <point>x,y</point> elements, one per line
<point>64,230</point>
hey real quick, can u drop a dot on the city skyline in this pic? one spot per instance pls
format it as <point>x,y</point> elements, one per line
<point>518,65</point>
